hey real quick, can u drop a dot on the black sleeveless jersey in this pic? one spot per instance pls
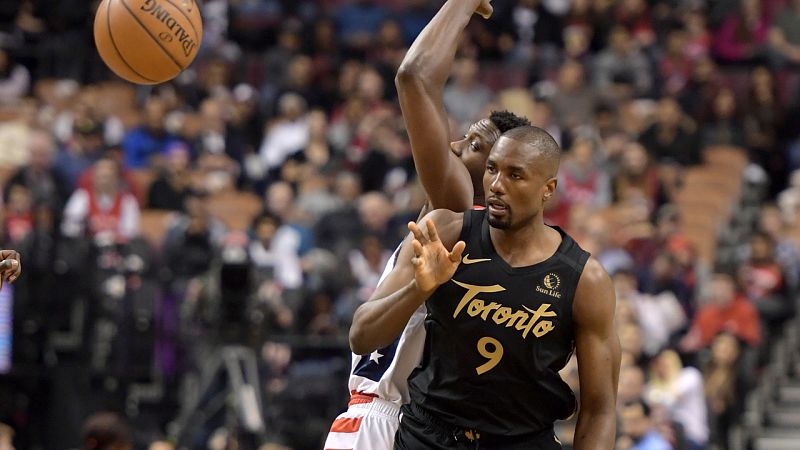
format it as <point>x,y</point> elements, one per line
<point>497,337</point>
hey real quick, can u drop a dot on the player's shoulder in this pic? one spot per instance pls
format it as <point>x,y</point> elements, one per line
<point>595,297</point>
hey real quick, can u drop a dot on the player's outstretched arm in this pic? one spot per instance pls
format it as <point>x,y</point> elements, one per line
<point>423,264</point>
<point>420,86</point>
<point>598,358</point>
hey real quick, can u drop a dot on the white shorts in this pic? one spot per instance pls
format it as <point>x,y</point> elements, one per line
<point>366,425</point>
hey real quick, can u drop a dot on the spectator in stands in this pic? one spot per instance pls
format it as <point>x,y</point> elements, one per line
<point>14,79</point>
<point>680,390</point>
<point>621,70</point>
<point>764,124</point>
<point>637,177</point>
<point>771,222</point>
<point>634,15</point>
<point>671,139</point>
<point>726,311</point>
<point>723,126</point>
<point>191,240</point>
<point>697,34</point>
<point>274,251</point>
<point>170,188</point>
<point>81,151</point>
<point>581,180</point>
<point>465,96</point>
<point>105,210</point>
<point>742,37</point>
<point>106,431</point>
<point>701,89</point>
<point>145,144</point>
<point>573,101</point>
<point>280,200</point>
<point>675,66</point>
<point>784,35</point>
<point>631,384</point>
<point>724,387</point>
<point>414,17</point>
<point>529,32</point>
<point>161,445</point>
<point>41,174</point>
<point>18,216</point>
<point>359,22</point>
<point>637,429</point>
<point>763,281</point>
<point>288,134</point>
<point>367,263</point>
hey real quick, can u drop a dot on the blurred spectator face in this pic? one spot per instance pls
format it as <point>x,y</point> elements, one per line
<point>666,365</point>
<point>704,70</point>
<point>106,431</point>
<point>634,159</point>
<point>751,8</point>
<point>390,34</point>
<point>576,40</point>
<point>280,198</point>
<point>370,86</point>
<point>723,289</point>
<point>300,71</point>
<point>669,112</point>
<point>372,250</point>
<point>266,229</point>
<point>87,135</point>
<point>348,186</point>
<point>725,104</point>
<point>212,113</point>
<point>41,150</point>
<point>317,124</point>
<point>106,176</point>
<point>725,349</point>
<point>161,445</point>
<point>178,159</point>
<point>631,383</point>
<point>619,40</point>
<point>761,249</point>
<point>676,43</point>
<point>154,112</point>
<point>570,77</point>
<point>630,338</point>
<point>635,422</point>
<point>625,284</point>
<point>582,152</point>
<point>375,211</point>
<point>466,72</point>
<point>770,221</point>
<point>292,106</point>
<point>474,148</point>
<point>19,199</point>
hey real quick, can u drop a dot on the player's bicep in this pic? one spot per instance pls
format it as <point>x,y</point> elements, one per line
<point>596,341</point>
<point>445,179</point>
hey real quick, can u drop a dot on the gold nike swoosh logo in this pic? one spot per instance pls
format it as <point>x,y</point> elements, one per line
<point>466,260</point>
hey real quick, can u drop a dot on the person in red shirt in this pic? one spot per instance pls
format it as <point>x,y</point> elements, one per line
<point>762,280</point>
<point>726,311</point>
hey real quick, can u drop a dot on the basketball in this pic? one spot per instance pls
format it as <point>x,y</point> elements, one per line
<point>148,41</point>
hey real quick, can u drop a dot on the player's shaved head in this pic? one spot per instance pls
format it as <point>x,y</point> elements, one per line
<point>541,141</point>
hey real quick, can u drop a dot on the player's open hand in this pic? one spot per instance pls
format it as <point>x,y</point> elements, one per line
<point>485,9</point>
<point>433,263</point>
<point>10,266</point>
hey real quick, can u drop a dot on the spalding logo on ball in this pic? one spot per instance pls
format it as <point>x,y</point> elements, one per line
<point>148,41</point>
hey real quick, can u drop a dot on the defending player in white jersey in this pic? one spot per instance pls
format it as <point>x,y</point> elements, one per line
<point>451,173</point>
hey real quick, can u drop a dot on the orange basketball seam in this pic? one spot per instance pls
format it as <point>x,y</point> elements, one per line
<point>155,39</point>
<point>189,19</point>
<point>114,44</point>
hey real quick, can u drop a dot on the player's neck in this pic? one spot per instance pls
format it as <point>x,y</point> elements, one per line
<point>526,245</point>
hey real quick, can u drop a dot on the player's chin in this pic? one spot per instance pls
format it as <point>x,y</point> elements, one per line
<point>501,223</point>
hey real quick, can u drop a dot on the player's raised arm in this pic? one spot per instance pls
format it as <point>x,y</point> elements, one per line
<point>423,264</point>
<point>598,354</point>
<point>420,84</point>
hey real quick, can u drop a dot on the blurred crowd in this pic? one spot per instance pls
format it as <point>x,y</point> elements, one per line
<point>292,103</point>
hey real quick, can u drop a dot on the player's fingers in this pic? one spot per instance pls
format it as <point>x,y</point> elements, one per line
<point>417,246</point>
<point>433,235</point>
<point>458,249</point>
<point>10,269</point>
<point>418,235</point>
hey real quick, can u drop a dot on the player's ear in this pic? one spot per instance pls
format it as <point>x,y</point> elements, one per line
<point>549,189</point>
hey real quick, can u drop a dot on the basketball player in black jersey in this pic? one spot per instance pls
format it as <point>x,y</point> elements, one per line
<point>506,308</point>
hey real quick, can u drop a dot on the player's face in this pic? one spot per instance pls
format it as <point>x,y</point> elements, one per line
<point>475,147</point>
<point>516,183</point>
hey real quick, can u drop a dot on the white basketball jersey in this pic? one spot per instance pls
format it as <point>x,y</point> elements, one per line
<point>385,371</point>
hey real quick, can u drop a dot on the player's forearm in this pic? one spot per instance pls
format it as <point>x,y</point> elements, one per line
<point>595,429</point>
<point>431,56</point>
<point>378,322</point>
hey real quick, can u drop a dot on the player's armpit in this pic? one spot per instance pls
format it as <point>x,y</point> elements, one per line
<point>598,353</point>
<point>380,321</point>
